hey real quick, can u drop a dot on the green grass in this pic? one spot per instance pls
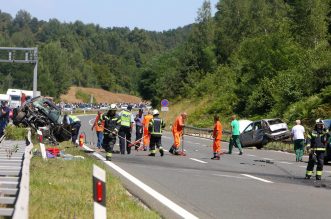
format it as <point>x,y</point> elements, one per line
<point>15,133</point>
<point>63,189</point>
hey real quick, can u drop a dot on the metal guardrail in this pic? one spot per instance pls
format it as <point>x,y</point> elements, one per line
<point>14,178</point>
<point>205,133</point>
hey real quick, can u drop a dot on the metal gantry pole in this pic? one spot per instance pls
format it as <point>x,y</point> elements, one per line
<point>35,73</point>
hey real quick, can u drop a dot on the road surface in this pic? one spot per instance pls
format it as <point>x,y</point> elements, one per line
<point>258,184</point>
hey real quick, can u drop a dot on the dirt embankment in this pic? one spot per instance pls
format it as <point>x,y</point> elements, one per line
<point>101,96</point>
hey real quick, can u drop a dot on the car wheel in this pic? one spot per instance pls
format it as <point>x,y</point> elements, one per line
<point>260,146</point>
<point>19,118</point>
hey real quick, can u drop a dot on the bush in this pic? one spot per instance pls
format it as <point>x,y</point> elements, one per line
<point>15,133</point>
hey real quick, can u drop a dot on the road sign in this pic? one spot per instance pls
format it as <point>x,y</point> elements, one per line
<point>164,103</point>
<point>164,109</point>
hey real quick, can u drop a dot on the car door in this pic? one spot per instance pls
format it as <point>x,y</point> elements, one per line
<point>246,137</point>
<point>258,133</point>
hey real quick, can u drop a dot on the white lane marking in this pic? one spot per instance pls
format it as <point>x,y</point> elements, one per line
<point>90,121</point>
<point>284,162</point>
<point>200,161</point>
<point>265,158</point>
<point>257,178</point>
<point>237,177</point>
<point>161,198</point>
<point>250,155</point>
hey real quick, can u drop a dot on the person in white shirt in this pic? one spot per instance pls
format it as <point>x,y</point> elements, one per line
<point>299,140</point>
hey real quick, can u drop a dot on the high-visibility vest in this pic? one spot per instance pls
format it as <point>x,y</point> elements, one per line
<point>74,119</point>
<point>156,125</point>
<point>125,119</point>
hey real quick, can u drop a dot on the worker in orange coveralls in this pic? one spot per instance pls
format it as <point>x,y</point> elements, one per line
<point>217,136</point>
<point>177,131</point>
<point>147,136</point>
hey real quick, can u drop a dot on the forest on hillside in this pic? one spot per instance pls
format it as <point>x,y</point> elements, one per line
<point>255,58</point>
<point>80,54</point>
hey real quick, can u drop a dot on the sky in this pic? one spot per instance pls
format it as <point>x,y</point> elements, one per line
<point>155,15</point>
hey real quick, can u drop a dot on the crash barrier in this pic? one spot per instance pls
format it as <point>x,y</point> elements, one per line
<point>14,177</point>
<point>205,133</point>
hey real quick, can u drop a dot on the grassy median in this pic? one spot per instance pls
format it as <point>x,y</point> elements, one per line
<point>63,189</point>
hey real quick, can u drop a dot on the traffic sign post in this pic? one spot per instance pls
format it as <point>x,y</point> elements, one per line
<point>164,105</point>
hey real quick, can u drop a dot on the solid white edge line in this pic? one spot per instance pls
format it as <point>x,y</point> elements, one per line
<point>257,178</point>
<point>200,161</point>
<point>161,198</point>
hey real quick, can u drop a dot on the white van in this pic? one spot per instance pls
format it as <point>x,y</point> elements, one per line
<point>14,97</point>
<point>4,97</point>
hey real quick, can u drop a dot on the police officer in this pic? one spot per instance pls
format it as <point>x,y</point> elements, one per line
<point>75,123</point>
<point>112,124</point>
<point>155,129</point>
<point>317,141</point>
<point>124,133</point>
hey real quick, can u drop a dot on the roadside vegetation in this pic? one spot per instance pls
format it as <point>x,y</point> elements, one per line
<point>85,97</point>
<point>15,133</point>
<point>63,189</point>
<point>254,58</point>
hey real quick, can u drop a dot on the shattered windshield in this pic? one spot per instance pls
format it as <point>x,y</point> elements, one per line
<point>48,109</point>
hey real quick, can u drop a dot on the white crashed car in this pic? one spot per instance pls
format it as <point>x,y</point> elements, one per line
<point>259,133</point>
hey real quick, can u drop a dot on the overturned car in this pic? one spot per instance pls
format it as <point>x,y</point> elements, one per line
<point>42,114</point>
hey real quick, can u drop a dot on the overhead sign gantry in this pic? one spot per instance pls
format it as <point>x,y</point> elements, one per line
<point>22,55</point>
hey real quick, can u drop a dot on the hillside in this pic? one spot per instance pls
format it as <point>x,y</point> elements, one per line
<point>100,95</point>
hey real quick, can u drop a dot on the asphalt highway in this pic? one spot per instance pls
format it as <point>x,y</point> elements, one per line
<point>257,184</point>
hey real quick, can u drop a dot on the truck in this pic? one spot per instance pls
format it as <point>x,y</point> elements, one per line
<point>15,96</point>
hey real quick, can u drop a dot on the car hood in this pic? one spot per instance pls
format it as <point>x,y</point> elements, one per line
<point>278,127</point>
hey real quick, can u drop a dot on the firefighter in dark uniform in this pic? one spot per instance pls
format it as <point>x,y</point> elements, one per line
<point>112,123</point>
<point>124,133</point>
<point>155,129</point>
<point>317,141</point>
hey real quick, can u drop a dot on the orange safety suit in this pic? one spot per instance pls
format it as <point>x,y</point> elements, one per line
<point>217,135</point>
<point>147,136</point>
<point>177,130</point>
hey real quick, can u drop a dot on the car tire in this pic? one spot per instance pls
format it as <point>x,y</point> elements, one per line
<point>19,118</point>
<point>260,146</point>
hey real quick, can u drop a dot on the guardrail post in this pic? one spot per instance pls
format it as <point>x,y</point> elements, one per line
<point>99,193</point>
